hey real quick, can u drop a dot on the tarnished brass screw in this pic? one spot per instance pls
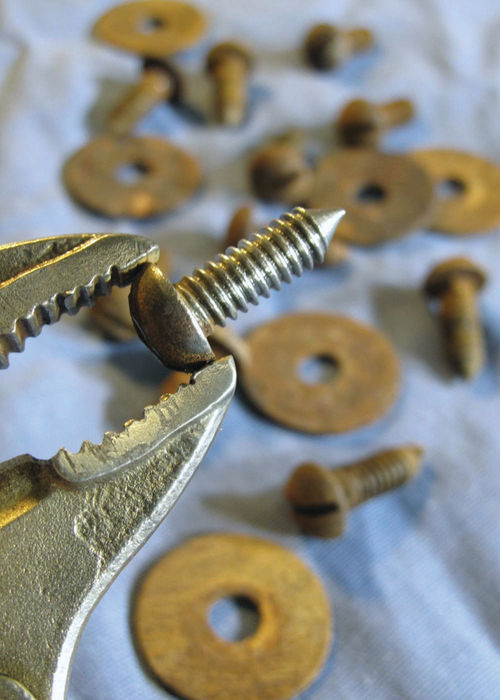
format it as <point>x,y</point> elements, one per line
<point>279,171</point>
<point>174,319</point>
<point>229,64</point>
<point>327,46</point>
<point>321,498</point>
<point>455,283</point>
<point>159,83</point>
<point>361,123</point>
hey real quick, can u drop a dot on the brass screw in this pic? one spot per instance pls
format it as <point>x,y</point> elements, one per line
<point>455,283</point>
<point>174,320</point>
<point>159,83</point>
<point>229,64</point>
<point>279,171</point>
<point>326,46</point>
<point>321,498</point>
<point>242,224</point>
<point>361,123</point>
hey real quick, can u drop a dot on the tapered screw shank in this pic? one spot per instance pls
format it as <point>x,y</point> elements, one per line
<point>326,46</point>
<point>362,123</point>
<point>321,498</point>
<point>229,65</point>
<point>159,83</point>
<point>456,283</point>
<point>175,319</point>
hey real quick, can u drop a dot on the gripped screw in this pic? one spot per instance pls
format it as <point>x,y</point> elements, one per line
<point>159,83</point>
<point>455,283</point>
<point>321,498</point>
<point>174,320</point>
<point>326,46</point>
<point>229,64</point>
<point>361,123</point>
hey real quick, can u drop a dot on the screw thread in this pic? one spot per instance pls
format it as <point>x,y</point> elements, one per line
<point>396,112</point>
<point>462,327</point>
<point>382,472</point>
<point>295,241</point>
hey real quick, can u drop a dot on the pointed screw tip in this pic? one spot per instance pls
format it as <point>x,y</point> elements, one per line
<point>326,220</point>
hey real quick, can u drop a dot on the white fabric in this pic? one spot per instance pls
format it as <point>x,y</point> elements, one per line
<point>415,582</point>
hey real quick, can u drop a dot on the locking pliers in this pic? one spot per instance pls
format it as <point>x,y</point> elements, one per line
<point>69,524</point>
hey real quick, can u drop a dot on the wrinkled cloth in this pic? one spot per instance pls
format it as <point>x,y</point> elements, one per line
<point>414,583</point>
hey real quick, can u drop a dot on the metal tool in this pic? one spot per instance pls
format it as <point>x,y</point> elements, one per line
<point>69,524</point>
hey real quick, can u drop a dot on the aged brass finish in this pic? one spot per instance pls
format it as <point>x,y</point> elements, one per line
<point>279,171</point>
<point>455,283</point>
<point>174,319</point>
<point>171,628</point>
<point>229,64</point>
<point>364,379</point>
<point>163,176</point>
<point>362,123</point>
<point>327,46</point>
<point>111,313</point>
<point>472,204</point>
<point>159,82</point>
<point>156,28</point>
<point>321,498</point>
<point>385,196</point>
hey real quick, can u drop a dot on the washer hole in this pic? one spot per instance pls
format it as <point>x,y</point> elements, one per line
<point>451,187</point>
<point>130,173</point>
<point>234,618</point>
<point>371,193</point>
<point>318,369</point>
<point>151,24</point>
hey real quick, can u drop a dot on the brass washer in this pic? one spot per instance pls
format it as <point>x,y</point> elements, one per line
<point>385,196</point>
<point>167,176</point>
<point>363,388</point>
<point>155,28</point>
<point>475,206</point>
<point>170,620</point>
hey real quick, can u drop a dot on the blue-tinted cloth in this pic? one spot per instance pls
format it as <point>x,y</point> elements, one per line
<point>414,583</point>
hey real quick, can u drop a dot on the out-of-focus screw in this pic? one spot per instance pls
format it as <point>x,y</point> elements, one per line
<point>327,46</point>
<point>279,171</point>
<point>321,498</point>
<point>174,320</point>
<point>455,283</point>
<point>229,64</point>
<point>361,123</point>
<point>159,83</point>
<point>242,224</point>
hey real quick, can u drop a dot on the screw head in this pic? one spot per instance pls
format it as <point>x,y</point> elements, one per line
<point>318,501</point>
<point>226,49</point>
<point>440,276</point>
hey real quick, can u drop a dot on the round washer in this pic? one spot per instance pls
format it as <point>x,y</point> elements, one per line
<point>471,203</point>
<point>151,27</point>
<point>161,176</point>
<point>363,385</point>
<point>172,631</point>
<point>385,196</point>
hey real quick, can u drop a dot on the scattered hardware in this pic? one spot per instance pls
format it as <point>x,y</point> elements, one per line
<point>321,498</point>
<point>467,188</point>
<point>156,28</point>
<point>327,46</point>
<point>455,284</point>
<point>174,636</point>
<point>385,196</point>
<point>135,176</point>
<point>229,64</point>
<point>362,123</point>
<point>358,372</point>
